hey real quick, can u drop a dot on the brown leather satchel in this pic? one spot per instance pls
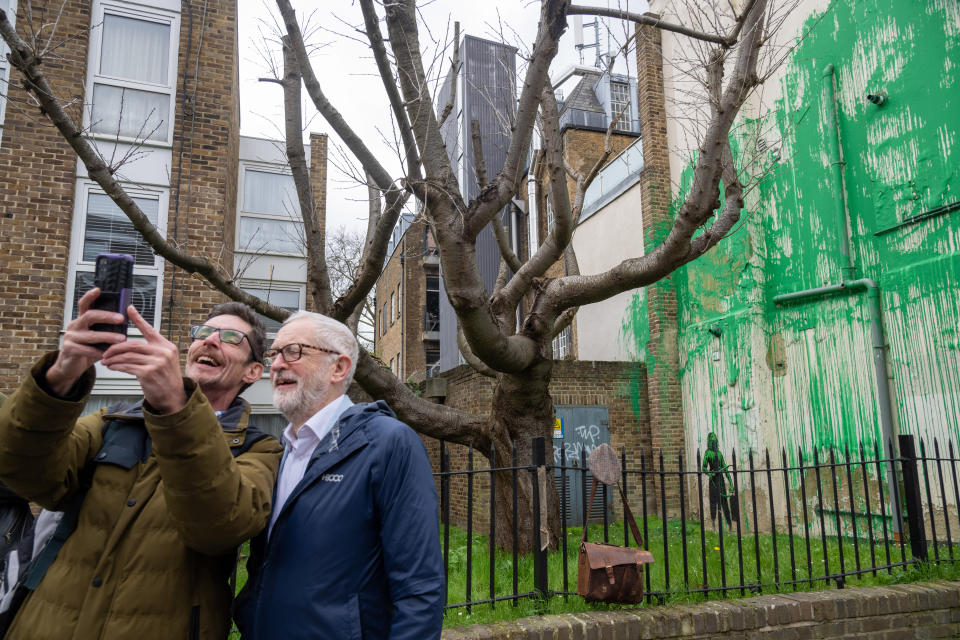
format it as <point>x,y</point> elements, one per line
<point>610,573</point>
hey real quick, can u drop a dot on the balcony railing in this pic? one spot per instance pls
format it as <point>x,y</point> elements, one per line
<point>596,119</point>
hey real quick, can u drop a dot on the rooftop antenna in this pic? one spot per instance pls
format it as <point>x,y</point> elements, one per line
<point>578,26</point>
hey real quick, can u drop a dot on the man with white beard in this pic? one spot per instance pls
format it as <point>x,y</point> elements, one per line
<point>352,549</point>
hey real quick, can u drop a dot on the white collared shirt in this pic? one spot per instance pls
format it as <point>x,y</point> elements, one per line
<point>298,447</point>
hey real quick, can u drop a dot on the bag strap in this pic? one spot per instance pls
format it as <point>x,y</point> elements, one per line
<point>593,494</point>
<point>627,514</point>
<point>39,565</point>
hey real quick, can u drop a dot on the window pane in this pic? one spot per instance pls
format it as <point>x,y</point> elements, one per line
<point>289,300</point>
<point>273,236</point>
<point>144,296</point>
<point>135,49</point>
<point>140,114</point>
<point>265,192</point>
<point>109,230</point>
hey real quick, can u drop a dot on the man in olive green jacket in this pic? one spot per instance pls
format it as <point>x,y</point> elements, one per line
<point>157,533</point>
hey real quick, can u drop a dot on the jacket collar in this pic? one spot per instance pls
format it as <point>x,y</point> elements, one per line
<point>346,437</point>
<point>230,419</point>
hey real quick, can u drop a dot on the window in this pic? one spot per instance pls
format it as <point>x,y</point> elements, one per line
<point>133,73</point>
<point>10,7</point>
<point>383,319</point>
<point>620,104</point>
<point>393,307</point>
<point>432,358</point>
<point>101,227</point>
<point>393,368</point>
<point>431,312</point>
<point>286,296</point>
<point>270,214</point>
<point>399,302</point>
<point>561,344</point>
<point>398,371</point>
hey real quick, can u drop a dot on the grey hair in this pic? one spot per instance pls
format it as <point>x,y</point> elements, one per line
<point>331,334</point>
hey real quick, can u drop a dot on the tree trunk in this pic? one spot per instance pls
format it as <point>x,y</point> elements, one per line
<point>522,410</point>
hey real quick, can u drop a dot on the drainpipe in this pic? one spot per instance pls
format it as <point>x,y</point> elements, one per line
<point>836,174</point>
<point>879,353</point>
<point>849,285</point>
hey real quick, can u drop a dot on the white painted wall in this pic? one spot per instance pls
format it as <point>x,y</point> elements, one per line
<point>602,241</point>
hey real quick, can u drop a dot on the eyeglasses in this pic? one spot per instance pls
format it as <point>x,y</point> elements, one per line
<point>293,352</point>
<point>230,336</point>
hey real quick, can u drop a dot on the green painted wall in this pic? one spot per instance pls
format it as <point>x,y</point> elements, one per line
<point>802,376</point>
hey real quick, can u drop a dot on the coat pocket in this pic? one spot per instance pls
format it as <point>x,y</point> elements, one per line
<point>353,627</point>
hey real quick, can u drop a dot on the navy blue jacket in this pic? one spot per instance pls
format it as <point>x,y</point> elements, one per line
<point>355,551</point>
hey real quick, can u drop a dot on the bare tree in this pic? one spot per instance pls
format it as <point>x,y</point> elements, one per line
<point>516,352</point>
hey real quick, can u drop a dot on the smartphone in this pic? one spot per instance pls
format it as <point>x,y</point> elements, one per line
<point>114,277</point>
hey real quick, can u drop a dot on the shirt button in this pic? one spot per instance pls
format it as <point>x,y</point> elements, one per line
<point>131,502</point>
<point>97,581</point>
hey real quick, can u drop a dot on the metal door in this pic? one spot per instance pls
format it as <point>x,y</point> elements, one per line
<point>582,429</point>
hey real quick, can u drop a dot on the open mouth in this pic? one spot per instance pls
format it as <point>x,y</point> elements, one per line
<point>207,361</point>
<point>284,383</point>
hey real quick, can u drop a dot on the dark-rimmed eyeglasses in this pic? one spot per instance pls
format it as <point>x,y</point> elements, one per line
<point>230,336</point>
<point>293,352</point>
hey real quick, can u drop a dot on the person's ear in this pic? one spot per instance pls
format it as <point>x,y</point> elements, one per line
<point>253,373</point>
<point>341,369</point>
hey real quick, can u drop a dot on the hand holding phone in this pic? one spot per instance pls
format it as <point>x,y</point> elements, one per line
<point>114,278</point>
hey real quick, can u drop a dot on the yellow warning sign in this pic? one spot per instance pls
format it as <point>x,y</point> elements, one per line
<point>558,428</point>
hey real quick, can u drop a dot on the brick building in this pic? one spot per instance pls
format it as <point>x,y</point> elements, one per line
<point>154,83</point>
<point>407,335</point>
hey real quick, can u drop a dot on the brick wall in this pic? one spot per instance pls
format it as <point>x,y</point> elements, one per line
<point>318,177</point>
<point>404,335</point>
<point>38,180</point>
<point>206,138</point>
<point>574,382</point>
<point>37,177</point>
<point>898,612</point>
<point>664,393</point>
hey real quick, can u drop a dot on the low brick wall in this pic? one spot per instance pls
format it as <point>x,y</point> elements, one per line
<point>922,610</point>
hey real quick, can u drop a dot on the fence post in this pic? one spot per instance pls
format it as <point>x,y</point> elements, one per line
<point>911,495</point>
<point>539,554</point>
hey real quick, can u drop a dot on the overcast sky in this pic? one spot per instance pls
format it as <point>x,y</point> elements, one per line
<point>347,72</point>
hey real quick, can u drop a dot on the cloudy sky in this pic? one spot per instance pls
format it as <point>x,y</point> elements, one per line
<point>347,73</point>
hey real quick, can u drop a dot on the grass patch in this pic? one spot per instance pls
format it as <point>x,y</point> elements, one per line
<point>668,578</point>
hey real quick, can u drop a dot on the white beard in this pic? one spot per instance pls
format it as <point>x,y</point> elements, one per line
<point>303,401</point>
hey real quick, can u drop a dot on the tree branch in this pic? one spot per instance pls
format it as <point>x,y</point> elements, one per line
<point>552,247</point>
<point>499,232</point>
<point>318,278</point>
<point>553,22</point>
<point>714,164</point>
<point>650,21</point>
<point>455,71</point>
<point>22,58</point>
<point>372,26</point>
<point>356,145</point>
<point>434,420</point>
<point>443,204</point>
<point>475,363</point>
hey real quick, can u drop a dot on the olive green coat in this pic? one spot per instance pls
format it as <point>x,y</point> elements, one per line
<point>154,545</point>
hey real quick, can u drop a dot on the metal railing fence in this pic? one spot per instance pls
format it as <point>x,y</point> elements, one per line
<point>782,523</point>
